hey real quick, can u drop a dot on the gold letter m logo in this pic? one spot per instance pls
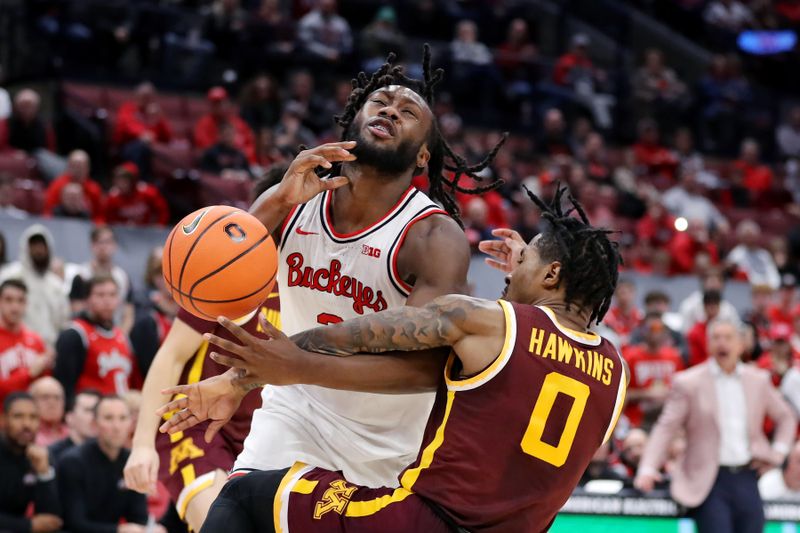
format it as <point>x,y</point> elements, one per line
<point>335,498</point>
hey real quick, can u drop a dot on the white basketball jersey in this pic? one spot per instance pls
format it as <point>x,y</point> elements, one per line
<point>326,277</point>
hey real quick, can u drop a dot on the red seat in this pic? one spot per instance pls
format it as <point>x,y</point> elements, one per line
<point>215,190</point>
<point>29,196</point>
<point>167,158</point>
<point>171,106</point>
<point>85,97</point>
<point>17,164</point>
<point>117,97</point>
<point>196,108</point>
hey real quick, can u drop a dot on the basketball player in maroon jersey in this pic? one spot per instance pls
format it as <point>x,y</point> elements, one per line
<point>527,397</point>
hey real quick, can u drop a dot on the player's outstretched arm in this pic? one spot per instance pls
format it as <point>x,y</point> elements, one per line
<point>473,327</point>
<point>301,183</point>
<point>141,470</point>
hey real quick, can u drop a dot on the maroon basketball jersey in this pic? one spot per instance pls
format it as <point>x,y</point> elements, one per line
<point>504,449</point>
<point>201,366</point>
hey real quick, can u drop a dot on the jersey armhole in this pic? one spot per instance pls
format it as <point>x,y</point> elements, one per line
<point>394,274</point>
<point>496,366</point>
<point>82,333</point>
<point>288,224</point>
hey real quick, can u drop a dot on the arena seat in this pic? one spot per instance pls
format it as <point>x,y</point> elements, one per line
<point>167,158</point>
<point>215,190</point>
<point>29,195</point>
<point>116,97</point>
<point>85,98</point>
<point>17,163</point>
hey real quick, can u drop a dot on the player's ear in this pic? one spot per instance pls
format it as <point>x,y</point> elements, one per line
<point>552,275</point>
<point>423,156</point>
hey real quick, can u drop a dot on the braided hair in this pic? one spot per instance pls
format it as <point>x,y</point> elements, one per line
<point>443,158</point>
<point>589,259</point>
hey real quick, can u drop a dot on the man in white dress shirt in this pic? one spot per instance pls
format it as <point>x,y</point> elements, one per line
<point>720,405</point>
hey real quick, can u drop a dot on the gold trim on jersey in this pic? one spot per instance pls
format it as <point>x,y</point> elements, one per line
<point>356,509</point>
<point>497,365</point>
<point>410,476</point>
<point>592,339</point>
<point>280,506</point>
<point>196,372</point>
<point>621,392</point>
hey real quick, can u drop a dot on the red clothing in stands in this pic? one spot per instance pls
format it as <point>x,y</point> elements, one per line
<point>647,370</point>
<point>206,134</point>
<point>656,158</point>
<point>755,178</point>
<point>696,339</point>
<point>777,314</point>
<point>144,205</point>
<point>131,124</point>
<point>566,64</point>
<point>623,323</point>
<point>91,190</point>
<point>18,350</point>
<point>684,249</point>
<point>659,231</point>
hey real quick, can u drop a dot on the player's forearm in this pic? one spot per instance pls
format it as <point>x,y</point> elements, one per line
<point>271,209</point>
<point>165,371</point>
<point>402,329</point>
<point>392,373</point>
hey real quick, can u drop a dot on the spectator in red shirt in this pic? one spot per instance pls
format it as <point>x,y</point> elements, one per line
<point>207,129</point>
<point>657,225</point>
<point>575,65</point>
<point>652,365</point>
<point>760,298</point>
<point>77,172</point>
<point>140,123</point>
<point>624,317</point>
<point>72,203</point>
<point>696,337</point>
<point>785,308</point>
<point>141,119</point>
<point>23,355</point>
<point>653,158</point>
<point>780,357</point>
<point>49,397</point>
<point>131,201</point>
<point>755,176</point>
<point>692,248</point>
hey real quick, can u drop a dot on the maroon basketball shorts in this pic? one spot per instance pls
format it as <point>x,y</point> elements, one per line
<point>188,464</point>
<point>312,499</point>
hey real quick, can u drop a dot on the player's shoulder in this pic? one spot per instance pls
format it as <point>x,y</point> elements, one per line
<point>436,230</point>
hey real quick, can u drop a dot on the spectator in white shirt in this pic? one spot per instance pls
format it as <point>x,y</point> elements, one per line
<point>783,483</point>
<point>324,33</point>
<point>6,196</point>
<point>788,134</point>
<point>728,15</point>
<point>692,310</point>
<point>752,260</point>
<point>686,200</point>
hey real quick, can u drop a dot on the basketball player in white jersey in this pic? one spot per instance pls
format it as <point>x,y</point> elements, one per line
<point>355,243</point>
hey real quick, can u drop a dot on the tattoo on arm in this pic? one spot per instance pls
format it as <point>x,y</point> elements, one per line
<point>403,329</point>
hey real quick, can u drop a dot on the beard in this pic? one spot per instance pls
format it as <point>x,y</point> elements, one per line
<point>41,263</point>
<point>388,161</point>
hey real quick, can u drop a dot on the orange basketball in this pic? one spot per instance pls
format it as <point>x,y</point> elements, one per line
<point>219,260</point>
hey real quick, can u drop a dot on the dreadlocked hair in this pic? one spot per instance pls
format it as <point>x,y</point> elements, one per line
<point>443,159</point>
<point>589,259</point>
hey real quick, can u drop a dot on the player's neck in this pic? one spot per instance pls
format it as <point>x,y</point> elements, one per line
<point>367,198</point>
<point>567,318</point>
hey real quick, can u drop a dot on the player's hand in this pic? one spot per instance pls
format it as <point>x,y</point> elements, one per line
<point>141,470</point>
<point>45,523</point>
<point>276,361</point>
<point>38,457</point>
<point>301,183</point>
<point>216,399</point>
<point>646,482</point>
<point>505,252</point>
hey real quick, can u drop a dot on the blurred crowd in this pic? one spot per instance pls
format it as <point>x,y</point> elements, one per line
<point>695,174</point>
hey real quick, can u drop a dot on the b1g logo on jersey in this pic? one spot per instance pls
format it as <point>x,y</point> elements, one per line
<point>370,251</point>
